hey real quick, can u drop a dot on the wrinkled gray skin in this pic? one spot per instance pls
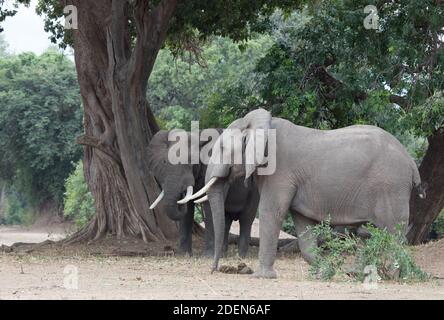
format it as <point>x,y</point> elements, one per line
<point>174,180</point>
<point>352,175</point>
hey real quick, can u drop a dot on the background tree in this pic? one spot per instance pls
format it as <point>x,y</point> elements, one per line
<point>3,47</point>
<point>180,88</point>
<point>326,70</point>
<point>115,49</point>
<point>322,69</point>
<point>40,116</point>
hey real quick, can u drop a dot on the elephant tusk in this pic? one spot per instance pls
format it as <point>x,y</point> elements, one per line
<point>187,196</point>
<point>204,190</point>
<point>201,200</point>
<point>156,202</point>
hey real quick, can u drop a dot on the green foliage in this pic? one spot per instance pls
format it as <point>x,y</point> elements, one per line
<point>333,251</point>
<point>437,229</point>
<point>288,225</point>
<point>8,9</point>
<point>198,214</point>
<point>40,117</point>
<point>193,21</point>
<point>182,89</point>
<point>17,211</point>
<point>389,254</point>
<point>79,203</point>
<point>386,251</point>
<point>428,117</point>
<point>175,117</point>
<point>325,70</point>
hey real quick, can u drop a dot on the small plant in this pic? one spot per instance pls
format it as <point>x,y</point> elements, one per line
<point>198,215</point>
<point>332,251</point>
<point>288,225</point>
<point>79,203</point>
<point>386,251</point>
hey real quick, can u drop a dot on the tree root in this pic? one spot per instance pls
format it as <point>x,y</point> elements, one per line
<point>26,248</point>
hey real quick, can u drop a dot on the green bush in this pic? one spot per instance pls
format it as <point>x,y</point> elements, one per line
<point>288,225</point>
<point>332,251</point>
<point>198,214</point>
<point>79,203</point>
<point>386,252</point>
<point>17,211</point>
<point>437,229</point>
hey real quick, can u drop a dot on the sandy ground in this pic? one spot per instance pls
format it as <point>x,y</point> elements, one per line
<point>91,272</point>
<point>13,234</point>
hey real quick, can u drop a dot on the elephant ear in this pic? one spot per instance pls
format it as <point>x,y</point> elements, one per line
<point>257,123</point>
<point>158,153</point>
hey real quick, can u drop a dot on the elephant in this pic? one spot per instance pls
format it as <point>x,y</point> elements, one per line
<point>177,182</point>
<point>351,176</point>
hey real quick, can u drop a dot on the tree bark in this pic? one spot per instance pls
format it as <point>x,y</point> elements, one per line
<point>118,121</point>
<point>424,211</point>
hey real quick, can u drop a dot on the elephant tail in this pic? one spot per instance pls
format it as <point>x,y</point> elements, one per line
<point>419,187</point>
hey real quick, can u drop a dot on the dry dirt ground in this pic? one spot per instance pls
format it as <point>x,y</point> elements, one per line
<point>106,270</point>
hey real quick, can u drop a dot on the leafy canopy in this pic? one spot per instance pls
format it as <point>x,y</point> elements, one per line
<point>40,117</point>
<point>194,20</point>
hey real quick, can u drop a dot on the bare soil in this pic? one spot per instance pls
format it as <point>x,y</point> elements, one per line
<point>130,269</point>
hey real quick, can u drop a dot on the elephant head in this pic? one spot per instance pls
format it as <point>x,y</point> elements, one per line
<point>176,180</point>
<point>239,151</point>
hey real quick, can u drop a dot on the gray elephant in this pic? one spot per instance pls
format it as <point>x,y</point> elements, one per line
<point>177,182</point>
<point>351,176</point>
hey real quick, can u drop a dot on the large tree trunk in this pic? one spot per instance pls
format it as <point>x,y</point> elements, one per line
<point>425,211</point>
<point>118,121</point>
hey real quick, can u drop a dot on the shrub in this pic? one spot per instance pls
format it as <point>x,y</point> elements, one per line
<point>437,229</point>
<point>79,203</point>
<point>198,214</point>
<point>389,254</point>
<point>288,225</point>
<point>332,251</point>
<point>385,251</point>
<point>16,210</point>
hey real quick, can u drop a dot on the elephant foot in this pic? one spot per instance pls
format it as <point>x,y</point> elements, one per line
<point>184,249</point>
<point>242,254</point>
<point>265,274</point>
<point>184,253</point>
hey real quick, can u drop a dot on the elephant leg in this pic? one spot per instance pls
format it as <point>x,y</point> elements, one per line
<point>306,240</point>
<point>228,223</point>
<point>392,211</point>
<point>244,237</point>
<point>245,222</point>
<point>273,206</point>
<point>186,231</point>
<point>209,231</point>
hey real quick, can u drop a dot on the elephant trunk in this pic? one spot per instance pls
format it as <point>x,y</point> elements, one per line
<point>175,212</point>
<point>217,199</point>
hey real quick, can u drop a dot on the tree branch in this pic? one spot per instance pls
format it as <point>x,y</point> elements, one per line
<point>320,72</point>
<point>151,27</point>
<point>400,101</point>
<point>94,142</point>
